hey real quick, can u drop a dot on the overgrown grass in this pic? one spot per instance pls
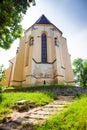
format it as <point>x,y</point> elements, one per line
<point>74,118</point>
<point>0,93</point>
<point>23,88</point>
<point>8,99</point>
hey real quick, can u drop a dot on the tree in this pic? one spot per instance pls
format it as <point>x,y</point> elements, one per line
<point>11,15</point>
<point>2,73</point>
<point>80,71</point>
<point>2,78</point>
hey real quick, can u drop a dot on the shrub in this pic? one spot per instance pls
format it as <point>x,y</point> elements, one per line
<point>0,93</point>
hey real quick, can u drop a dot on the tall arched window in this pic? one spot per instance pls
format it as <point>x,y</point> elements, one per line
<point>44,48</point>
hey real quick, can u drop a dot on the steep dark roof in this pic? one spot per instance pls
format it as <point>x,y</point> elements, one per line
<point>43,20</point>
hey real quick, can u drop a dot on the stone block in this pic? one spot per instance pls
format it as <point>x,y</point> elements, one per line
<point>23,105</point>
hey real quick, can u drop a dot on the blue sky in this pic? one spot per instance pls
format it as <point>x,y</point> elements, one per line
<point>70,16</point>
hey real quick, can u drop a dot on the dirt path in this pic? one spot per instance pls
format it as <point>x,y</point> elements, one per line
<point>27,120</point>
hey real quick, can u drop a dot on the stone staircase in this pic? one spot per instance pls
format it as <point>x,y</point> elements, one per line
<point>19,121</point>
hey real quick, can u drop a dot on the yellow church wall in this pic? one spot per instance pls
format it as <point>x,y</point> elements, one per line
<point>65,57</point>
<point>51,55</point>
<point>67,64</point>
<point>37,50</point>
<point>26,60</point>
<point>29,55</point>
<point>26,56</point>
<point>40,81</point>
<point>18,69</point>
<point>59,64</point>
<point>11,66</point>
<point>51,49</point>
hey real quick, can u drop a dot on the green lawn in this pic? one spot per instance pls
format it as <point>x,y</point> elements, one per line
<point>8,99</point>
<point>74,118</point>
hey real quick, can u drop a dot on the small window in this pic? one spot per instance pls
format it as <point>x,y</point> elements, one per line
<point>31,42</point>
<point>55,40</point>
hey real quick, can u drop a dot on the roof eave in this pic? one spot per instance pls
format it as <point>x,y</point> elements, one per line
<point>44,24</point>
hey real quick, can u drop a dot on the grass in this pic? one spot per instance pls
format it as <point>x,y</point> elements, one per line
<point>8,99</point>
<point>23,88</point>
<point>74,118</point>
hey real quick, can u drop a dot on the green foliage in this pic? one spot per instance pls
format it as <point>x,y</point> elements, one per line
<point>0,89</point>
<point>2,78</point>
<point>11,15</point>
<point>2,73</point>
<point>74,118</point>
<point>9,99</point>
<point>80,71</point>
<point>0,94</point>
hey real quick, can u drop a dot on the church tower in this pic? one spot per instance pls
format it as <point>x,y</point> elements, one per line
<point>42,57</point>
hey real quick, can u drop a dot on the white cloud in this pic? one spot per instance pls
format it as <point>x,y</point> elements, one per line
<point>77,44</point>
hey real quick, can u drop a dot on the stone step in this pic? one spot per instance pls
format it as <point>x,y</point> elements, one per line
<point>44,112</point>
<point>25,121</point>
<point>60,102</point>
<point>52,109</point>
<point>54,106</point>
<point>34,110</point>
<point>37,116</point>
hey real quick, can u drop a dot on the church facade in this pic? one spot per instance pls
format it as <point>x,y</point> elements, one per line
<point>42,57</point>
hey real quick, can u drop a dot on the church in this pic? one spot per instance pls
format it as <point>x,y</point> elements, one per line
<point>41,58</point>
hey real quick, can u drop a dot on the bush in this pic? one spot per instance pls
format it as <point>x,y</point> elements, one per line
<point>0,93</point>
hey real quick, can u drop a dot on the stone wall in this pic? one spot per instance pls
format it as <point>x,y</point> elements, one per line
<point>64,91</point>
<point>44,70</point>
<point>59,91</point>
